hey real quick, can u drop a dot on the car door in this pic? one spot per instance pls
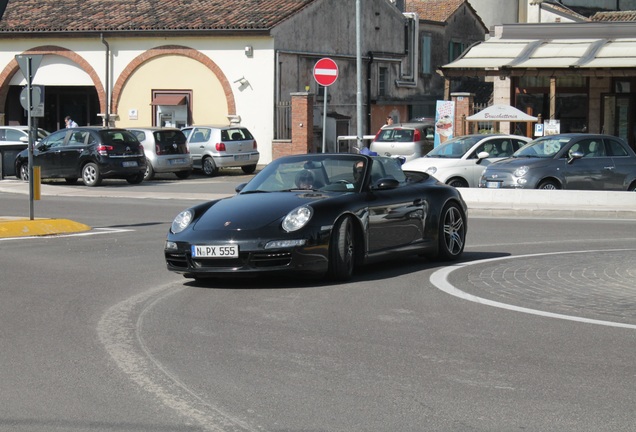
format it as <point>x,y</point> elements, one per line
<point>624,163</point>
<point>70,153</point>
<point>594,171</point>
<point>47,154</point>
<point>396,215</point>
<point>497,149</point>
<point>197,140</point>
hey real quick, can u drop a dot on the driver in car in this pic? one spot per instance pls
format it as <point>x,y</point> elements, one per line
<point>305,180</point>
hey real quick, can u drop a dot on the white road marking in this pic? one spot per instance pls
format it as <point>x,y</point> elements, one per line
<point>119,330</point>
<point>94,231</point>
<point>440,280</point>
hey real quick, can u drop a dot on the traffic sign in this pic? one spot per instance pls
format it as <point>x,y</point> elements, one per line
<point>325,71</point>
<point>37,100</point>
<point>29,63</point>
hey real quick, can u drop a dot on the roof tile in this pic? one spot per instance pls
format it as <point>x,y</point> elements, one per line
<point>135,15</point>
<point>433,10</point>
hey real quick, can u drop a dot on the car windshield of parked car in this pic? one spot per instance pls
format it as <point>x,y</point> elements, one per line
<point>454,148</point>
<point>337,173</point>
<point>546,147</point>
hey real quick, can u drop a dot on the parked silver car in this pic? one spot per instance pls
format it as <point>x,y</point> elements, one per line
<point>460,161</point>
<point>166,151</point>
<point>214,147</point>
<point>16,135</point>
<point>566,161</point>
<point>407,140</point>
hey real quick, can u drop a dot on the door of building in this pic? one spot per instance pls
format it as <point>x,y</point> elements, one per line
<point>619,112</point>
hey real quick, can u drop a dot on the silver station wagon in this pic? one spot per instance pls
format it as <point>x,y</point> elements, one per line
<point>566,161</point>
<point>214,147</point>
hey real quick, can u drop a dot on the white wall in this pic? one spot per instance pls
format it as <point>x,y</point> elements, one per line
<point>254,102</point>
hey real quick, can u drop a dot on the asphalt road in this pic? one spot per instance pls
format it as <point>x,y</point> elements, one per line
<point>534,330</point>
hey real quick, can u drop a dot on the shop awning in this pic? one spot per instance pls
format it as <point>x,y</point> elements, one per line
<point>548,53</point>
<point>169,100</point>
<point>501,113</point>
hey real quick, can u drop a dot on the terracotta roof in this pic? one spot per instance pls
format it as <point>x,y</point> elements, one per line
<point>614,16</point>
<point>433,10</point>
<point>559,8</point>
<point>146,15</point>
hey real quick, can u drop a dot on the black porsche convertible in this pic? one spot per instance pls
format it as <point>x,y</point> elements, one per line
<point>319,214</point>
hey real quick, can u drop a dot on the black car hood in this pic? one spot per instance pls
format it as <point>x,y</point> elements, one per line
<point>253,210</point>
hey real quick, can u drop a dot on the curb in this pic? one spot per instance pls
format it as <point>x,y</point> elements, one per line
<point>21,227</point>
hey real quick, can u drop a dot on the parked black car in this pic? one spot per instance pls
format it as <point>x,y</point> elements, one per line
<point>566,161</point>
<point>92,153</point>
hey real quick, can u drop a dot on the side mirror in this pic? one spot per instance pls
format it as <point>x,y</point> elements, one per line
<point>24,139</point>
<point>386,183</point>
<point>574,155</point>
<point>239,188</point>
<point>481,156</point>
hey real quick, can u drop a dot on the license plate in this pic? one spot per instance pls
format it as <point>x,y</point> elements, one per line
<point>215,251</point>
<point>176,161</point>
<point>493,184</point>
<point>128,164</point>
<point>242,157</point>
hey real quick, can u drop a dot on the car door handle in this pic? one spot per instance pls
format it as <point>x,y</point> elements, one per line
<point>610,168</point>
<point>417,202</point>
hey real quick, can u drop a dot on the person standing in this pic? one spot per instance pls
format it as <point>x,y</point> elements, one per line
<point>69,122</point>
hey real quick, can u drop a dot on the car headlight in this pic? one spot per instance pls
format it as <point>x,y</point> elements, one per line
<point>182,221</point>
<point>431,170</point>
<point>297,218</point>
<point>521,171</point>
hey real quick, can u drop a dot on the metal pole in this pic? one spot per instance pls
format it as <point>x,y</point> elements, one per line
<point>358,76</point>
<point>324,123</point>
<point>29,102</point>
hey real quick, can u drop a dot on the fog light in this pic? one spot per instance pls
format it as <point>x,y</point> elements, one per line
<point>522,181</point>
<point>171,245</point>
<point>278,244</point>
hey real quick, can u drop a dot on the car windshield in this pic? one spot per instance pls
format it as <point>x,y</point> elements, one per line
<point>455,148</point>
<point>546,147</point>
<point>395,135</point>
<point>338,173</point>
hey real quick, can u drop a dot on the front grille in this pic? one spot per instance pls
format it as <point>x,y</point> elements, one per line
<point>273,259</point>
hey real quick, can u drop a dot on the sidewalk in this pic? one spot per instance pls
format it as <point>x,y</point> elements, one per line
<point>481,202</point>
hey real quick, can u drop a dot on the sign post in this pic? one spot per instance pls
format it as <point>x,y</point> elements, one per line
<point>325,74</point>
<point>28,66</point>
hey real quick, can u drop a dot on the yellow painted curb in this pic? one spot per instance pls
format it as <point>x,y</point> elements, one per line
<point>39,227</point>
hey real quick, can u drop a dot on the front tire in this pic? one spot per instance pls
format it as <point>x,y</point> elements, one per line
<point>209,167</point>
<point>548,185</point>
<point>457,183</point>
<point>91,175</point>
<point>452,232</point>
<point>342,250</point>
<point>23,172</point>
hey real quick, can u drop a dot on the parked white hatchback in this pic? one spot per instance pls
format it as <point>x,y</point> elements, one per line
<point>214,147</point>
<point>460,161</point>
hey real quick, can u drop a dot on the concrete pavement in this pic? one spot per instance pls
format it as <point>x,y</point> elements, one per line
<point>481,202</point>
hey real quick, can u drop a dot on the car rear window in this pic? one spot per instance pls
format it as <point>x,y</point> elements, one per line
<point>114,137</point>
<point>171,142</point>
<point>395,135</point>
<point>236,134</point>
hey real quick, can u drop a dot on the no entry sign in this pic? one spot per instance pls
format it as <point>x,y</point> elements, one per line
<point>325,72</point>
